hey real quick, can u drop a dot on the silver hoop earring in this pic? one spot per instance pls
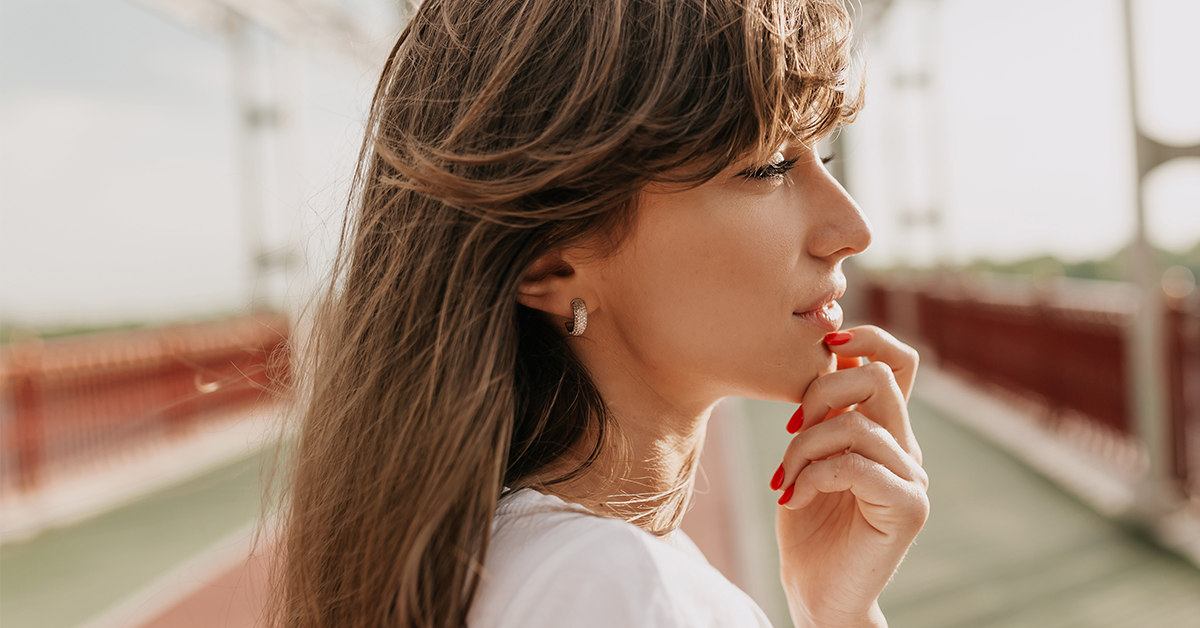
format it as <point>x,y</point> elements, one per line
<point>577,326</point>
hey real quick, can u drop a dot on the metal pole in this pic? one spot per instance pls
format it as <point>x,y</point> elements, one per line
<point>935,140</point>
<point>1146,361</point>
<point>242,64</point>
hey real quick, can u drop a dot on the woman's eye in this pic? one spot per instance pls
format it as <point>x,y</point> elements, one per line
<point>773,170</point>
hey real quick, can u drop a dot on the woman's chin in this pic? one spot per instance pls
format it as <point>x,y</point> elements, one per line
<point>824,366</point>
<point>829,365</point>
<point>792,387</point>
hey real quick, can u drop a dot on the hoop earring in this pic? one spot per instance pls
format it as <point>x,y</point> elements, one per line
<point>577,326</point>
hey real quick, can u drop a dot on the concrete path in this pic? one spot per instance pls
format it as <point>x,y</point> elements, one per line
<point>1004,548</point>
<point>113,568</point>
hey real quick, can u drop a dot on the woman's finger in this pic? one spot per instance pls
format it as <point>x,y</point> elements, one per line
<point>849,433</point>
<point>877,345</point>
<point>888,500</point>
<point>848,362</point>
<point>843,363</point>
<point>872,390</point>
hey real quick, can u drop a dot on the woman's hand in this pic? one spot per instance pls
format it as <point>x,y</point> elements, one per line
<point>854,492</point>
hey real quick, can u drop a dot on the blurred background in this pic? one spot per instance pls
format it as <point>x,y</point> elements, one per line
<point>172,179</point>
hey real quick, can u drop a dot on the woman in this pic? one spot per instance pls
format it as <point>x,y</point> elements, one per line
<point>579,225</point>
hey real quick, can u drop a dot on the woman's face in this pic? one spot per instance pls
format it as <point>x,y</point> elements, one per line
<point>729,288</point>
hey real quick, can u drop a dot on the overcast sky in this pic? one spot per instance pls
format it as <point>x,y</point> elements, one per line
<point>119,180</point>
<point>119,186</point>
<point>1024,139</point>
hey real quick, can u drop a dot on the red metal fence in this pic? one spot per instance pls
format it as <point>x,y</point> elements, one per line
<point>77,399</point>
<point>1183,356</point>
<point>1063,348</point>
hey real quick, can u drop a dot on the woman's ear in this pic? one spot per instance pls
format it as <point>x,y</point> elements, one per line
<point>550,284</point>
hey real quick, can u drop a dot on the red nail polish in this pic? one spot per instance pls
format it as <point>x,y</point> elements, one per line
<point>838,338</point>
<point>787,495</point>
<point>777,479</point>
<point>796,421</point>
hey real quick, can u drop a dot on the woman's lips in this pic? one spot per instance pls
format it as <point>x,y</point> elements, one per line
<point>828,318</point>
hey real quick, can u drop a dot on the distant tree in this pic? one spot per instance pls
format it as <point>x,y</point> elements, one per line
<point>1115,267</point>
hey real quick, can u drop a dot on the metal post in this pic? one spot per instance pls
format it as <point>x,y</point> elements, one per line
<point>922,214</point>
<point>1146,361</point>
<point>242,65</point>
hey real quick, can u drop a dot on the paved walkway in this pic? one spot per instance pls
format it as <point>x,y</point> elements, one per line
<point>127,563</point>
<point>1004,548</point>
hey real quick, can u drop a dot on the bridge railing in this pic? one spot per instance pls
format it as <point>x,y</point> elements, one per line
<point>1061,349</point>
<point>1183,373</point>
<point>71,401</point>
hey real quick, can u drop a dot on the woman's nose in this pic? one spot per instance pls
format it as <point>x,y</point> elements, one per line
<point>841,229</point>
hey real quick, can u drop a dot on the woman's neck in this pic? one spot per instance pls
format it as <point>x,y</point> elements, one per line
<point>646,465</point>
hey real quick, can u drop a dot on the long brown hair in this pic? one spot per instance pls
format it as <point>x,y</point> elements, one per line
<point>500,130</point>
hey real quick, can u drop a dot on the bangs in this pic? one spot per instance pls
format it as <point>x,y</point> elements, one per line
<point>527,111</point>
<point>806,73</point>
<point>788,83</point>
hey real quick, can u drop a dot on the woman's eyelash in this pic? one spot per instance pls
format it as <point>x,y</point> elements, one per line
<point>769,171</point>
<point>777,169</point>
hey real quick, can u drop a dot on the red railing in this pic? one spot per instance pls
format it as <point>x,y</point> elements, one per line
<point>1061,347</point>
<point>1183,377</point>
<point>78,399</point>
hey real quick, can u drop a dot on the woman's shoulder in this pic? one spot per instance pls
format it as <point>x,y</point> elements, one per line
<point>533,532</point>
<point>551,563</point>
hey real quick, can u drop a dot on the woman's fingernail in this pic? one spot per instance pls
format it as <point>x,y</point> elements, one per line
<point>838,338</point>
<point>777,479</point>
<point>787,495</point>
<point>796,421</point>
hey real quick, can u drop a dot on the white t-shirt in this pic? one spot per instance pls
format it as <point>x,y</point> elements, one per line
<point>554,564</point>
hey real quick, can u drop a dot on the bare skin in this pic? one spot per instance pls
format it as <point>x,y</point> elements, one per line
<point>721,291</point>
